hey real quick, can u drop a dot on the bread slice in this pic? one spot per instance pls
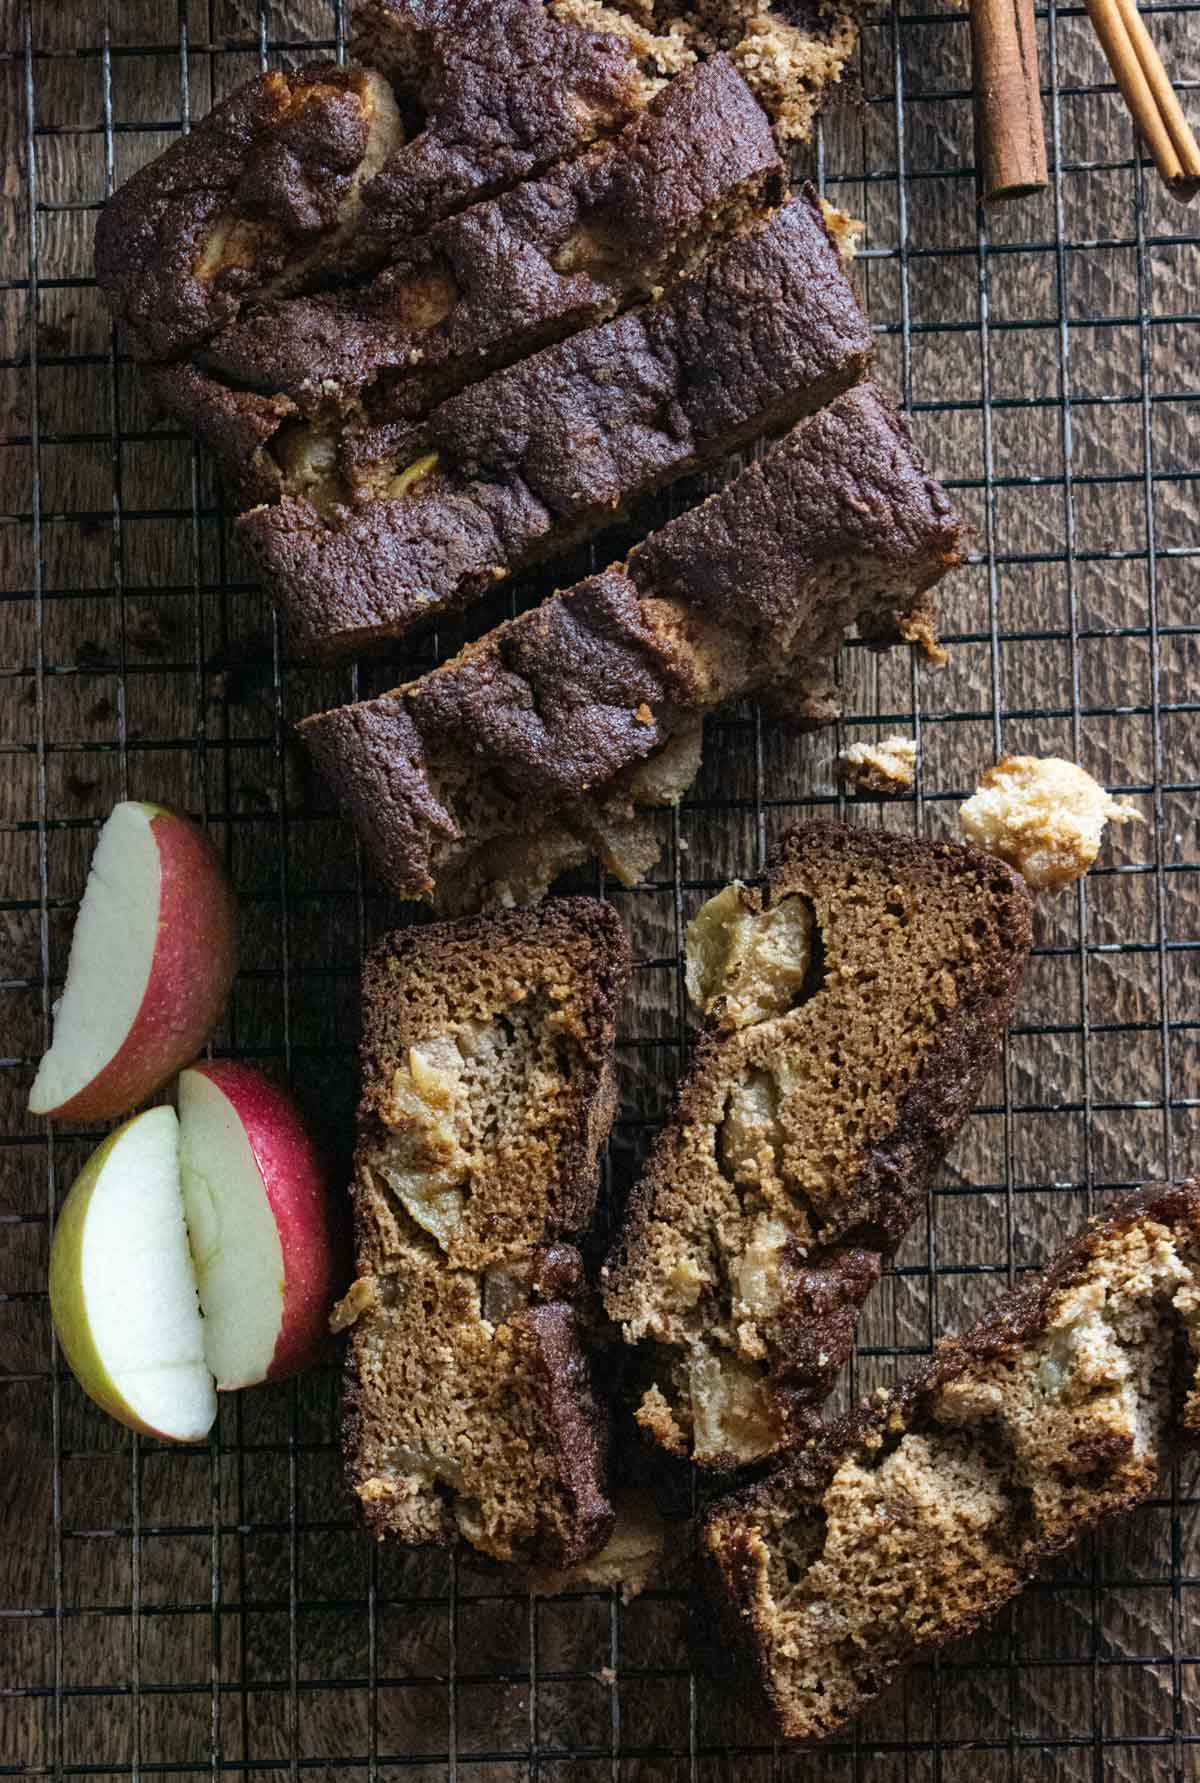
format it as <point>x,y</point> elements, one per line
<point>857,998</point>
<point>909,1522</point>
<point>534,747</point>
<point>484,288</point>
<point>413,522</point>
<point>488,1091</point>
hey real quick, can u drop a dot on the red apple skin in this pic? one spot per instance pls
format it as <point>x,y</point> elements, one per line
<point>191,975</point>
<point>297,1188</point>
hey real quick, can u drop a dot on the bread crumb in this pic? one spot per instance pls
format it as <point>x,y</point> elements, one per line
<point>919,627</point>
<point>643,714</point>
<point>1043,815</point>
<point>888,767</point>
<point>606,1675</point>
<point>847,231</point>
<point>358,1297</point>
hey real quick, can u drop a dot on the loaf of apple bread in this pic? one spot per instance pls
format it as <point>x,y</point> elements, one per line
<point>488,1091</point>
<point>906,1524</point>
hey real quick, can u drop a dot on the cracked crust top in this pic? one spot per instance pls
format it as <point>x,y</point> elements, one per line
<point>252,200</point>
<point>585,698</point>
<point>502,89</point>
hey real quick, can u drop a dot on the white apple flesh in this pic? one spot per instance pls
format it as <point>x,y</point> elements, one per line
<point>256,1202</point>
<point>122,1288</point>
<point>152,959</point>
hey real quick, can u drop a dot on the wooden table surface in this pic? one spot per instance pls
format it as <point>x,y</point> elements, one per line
<point>218,1607</point>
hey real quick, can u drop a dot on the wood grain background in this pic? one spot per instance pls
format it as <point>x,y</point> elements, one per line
<point>217,1608</point>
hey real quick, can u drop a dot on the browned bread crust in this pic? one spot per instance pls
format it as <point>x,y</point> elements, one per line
<point>530,749</point>
<point>857,999</point>
<point>503,89</point>
<point>483,288</point>
<point>294,169</point>
<point>258,195</point>
<point>546,452</point>
<point>488,1091</point>
<point>240,427</point>
<point>911,1521</point>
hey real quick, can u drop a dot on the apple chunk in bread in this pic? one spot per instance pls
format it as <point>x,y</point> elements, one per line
<point>254,1193</point>
<point>152,960</point>
<point>122,1288</point>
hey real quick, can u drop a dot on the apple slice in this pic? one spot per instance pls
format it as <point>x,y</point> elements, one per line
<point>152,959</point>
<point>122,1288</point>
<point>257,1209</point>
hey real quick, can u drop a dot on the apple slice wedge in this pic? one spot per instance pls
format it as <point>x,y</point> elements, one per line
<point>122,1288</point>
<point>257,1208</point>
<point>152,960</point>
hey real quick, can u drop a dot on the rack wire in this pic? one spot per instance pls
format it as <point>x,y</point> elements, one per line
<point>217,1610</point>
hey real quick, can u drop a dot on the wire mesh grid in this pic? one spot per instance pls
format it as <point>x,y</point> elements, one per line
<point>217,1609</point>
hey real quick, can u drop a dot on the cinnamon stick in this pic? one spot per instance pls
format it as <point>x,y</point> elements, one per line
<point>1008,102</point>
<point>1146,88</point>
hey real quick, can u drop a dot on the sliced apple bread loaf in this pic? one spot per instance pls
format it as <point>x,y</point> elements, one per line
<point>855,1000</point>
<point>545,740</point>
<point>912,1519</point>
<point>488,1090</point>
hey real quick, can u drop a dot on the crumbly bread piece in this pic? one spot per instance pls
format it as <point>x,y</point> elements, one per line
<point>488,1090</point>
<point>534,747</point>
<point>790,54</point>
<point>857,999</point>
<point>259,197</point>
<point>542,454</point>
<point>628,1560</point>
<point>1043,815</point>
<point>909,1522</point>
<point>484,288</point>
<point>888,767</point>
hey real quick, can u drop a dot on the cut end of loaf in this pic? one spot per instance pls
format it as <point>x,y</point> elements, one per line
<point>905,1525</point>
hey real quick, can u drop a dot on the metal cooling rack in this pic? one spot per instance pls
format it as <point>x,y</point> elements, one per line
<point>217,1610</point>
